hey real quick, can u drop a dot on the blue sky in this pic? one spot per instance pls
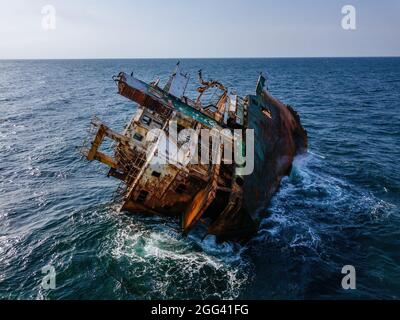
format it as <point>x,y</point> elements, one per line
<point>188,28</point>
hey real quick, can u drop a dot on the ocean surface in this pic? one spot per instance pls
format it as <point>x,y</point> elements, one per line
<point>340,205</point>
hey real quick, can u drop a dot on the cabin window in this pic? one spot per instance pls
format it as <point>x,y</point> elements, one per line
<point>156,174</point>
<point>180,127</point>
<point>181,188</point>
<point>142,196</point>
<point>138,136</point>
<point>146,120</point>
<point>211,108</point>
<point>157,124</point>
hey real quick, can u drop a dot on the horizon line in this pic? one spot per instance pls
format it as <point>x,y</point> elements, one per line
<point>202,58</point>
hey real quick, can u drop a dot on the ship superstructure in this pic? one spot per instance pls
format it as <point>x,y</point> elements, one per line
<point>172,156</point>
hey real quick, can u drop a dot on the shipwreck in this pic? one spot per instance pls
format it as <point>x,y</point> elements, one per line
<point>153,156</point>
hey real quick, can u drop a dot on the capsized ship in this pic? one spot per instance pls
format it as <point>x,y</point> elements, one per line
<point>219,194</point>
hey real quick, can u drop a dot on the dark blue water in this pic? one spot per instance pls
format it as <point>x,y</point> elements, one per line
<point>339,206</point>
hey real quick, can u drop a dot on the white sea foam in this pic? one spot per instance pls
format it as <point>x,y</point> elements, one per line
<point>308,196</point>
<point>182,263</point>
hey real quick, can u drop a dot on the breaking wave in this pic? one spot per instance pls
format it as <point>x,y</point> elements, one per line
<point>161,264</point>
<point>315,222</point>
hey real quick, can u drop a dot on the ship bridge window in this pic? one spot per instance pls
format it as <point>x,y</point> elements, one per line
<point>157,124</point>
<point>211,108</point>
<point>180,127</point>
<point>138,136</point>
<point>146,120</point>
<point>156,174</point>
<point>181,188</point>
<point>142,196</point>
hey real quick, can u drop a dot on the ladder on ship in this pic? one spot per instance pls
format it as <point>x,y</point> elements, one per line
<point>131,166</point>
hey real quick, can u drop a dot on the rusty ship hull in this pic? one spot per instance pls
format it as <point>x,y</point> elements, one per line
<point>215,194</point>
<point>279,138</point>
